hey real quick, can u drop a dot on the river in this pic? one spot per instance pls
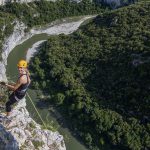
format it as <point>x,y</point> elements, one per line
<point>18,53</point>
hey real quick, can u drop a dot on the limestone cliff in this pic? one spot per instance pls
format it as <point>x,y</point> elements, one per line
<point>3,2</point>
<point>22,132</point>
<point>111,2</point>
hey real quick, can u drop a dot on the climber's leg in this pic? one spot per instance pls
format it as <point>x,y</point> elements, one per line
<point>9,103</point>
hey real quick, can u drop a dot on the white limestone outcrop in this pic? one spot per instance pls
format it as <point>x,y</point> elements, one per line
<point>116,2</point>
<point>9,44</point>
<point>3,2</point>
<point>23,132</point>
<point>19,36</point>
<point>26,133</point>
<point>33,50</point>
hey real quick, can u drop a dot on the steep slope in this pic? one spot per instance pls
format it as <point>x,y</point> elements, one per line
<point>24,133</point>
<point>99,76</point>
<point>113,3</point>
<point>31,15</point>
<point>40,13</point>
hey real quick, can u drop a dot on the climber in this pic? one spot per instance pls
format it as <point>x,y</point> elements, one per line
<point>19,88</point>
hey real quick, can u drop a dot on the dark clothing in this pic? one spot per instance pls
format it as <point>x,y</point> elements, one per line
<point>11,101</point>
<point>18,94</point>
<point>21,91</point>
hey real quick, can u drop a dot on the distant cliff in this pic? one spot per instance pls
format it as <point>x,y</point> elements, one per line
<point>3,2</point>
<point>112,3</point>
<point>116,3</point>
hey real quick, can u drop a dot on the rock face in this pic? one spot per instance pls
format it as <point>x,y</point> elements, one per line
<point>22,132</point>
<point>111,2</point>
<point>3,2</point>
<point>9,44</point>
<point>7,141</point>
<point>116,3</point>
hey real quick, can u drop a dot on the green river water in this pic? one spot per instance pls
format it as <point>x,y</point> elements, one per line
<point>18,53</point>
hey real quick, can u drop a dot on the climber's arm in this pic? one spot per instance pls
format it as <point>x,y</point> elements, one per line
<point>15,86</point>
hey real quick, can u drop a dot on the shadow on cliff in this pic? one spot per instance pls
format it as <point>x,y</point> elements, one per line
<point>7,141</point>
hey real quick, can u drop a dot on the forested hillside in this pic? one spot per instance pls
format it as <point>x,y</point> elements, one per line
<point>42,12</point>
<point>99,77</point>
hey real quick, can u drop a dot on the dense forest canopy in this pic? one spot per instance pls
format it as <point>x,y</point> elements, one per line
<point>42,12</point>
<point>99,77</point>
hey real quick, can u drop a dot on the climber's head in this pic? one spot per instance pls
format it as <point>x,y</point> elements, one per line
<point>22,66</point>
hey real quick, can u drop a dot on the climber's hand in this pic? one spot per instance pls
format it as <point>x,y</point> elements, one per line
<point>2,83</point>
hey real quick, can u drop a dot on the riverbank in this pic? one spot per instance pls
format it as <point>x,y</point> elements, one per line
<point>65,26</point>
<point>19,36</point>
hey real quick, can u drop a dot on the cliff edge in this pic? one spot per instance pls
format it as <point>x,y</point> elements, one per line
<point>20,131</point>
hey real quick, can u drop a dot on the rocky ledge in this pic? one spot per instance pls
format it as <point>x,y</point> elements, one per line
<point>20,131</point>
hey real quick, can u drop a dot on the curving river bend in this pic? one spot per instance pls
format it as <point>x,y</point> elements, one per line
<point>20,52</point>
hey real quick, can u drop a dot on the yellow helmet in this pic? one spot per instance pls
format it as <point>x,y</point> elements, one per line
<point>22,64</point>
